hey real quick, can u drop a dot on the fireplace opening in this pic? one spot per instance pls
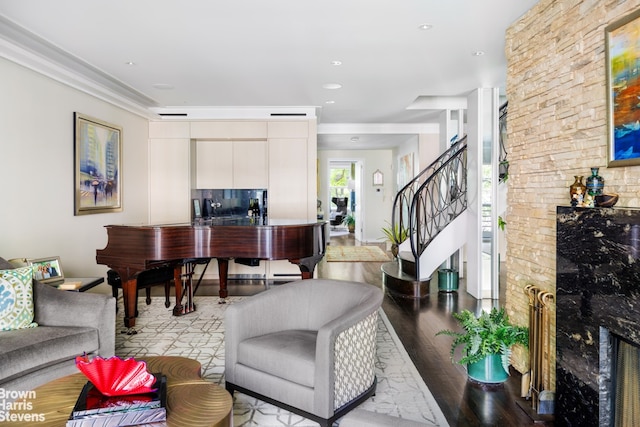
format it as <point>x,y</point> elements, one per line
<point>622,380</point>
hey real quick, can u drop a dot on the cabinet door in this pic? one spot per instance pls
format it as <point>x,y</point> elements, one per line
<point>250,164</point>
<point>214,164</point>
<point>169,186</point>
<point>288,178</point>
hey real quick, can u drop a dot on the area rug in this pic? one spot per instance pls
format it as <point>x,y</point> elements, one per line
<point>355,254</point>
<point>401,392</point>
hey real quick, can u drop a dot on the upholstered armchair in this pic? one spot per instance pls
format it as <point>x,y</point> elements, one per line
<point>336,217</point>
<point>306,346</point>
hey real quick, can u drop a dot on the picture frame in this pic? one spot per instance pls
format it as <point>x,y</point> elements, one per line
<point>47,270</point>
<point>197,212</point>
<point>405,170</point>
<point>623,88</point>
<point>98,160</point>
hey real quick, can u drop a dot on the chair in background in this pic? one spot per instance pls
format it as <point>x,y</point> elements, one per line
<point>336,217</point>
<point>145,280</point>
<point>307,346</point>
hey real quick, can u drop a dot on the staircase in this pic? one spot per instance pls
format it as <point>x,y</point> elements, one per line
<point>432,208</point>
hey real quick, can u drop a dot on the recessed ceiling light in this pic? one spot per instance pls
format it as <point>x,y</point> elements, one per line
<point>163,86</point>
<point>336,62</point>
<point>330,102</point>
<point>478,53</point>
<point>130,63</point>
<point>355,139</point>
<point>425,26</point>
<point>332,85</point>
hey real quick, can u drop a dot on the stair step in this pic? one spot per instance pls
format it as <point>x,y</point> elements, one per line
<point>400,283</point>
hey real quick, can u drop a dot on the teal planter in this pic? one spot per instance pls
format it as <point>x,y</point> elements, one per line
<point>488,370</point>
<point>447,280</point>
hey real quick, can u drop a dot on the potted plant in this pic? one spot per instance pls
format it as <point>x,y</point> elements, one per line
<point>350,222</point>
<point>395,235</point>
<point>487,340</point>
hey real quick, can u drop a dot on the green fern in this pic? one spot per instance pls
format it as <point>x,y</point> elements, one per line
<point>489,333</point>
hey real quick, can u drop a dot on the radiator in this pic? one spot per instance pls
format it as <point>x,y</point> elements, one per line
<point>540,309</point>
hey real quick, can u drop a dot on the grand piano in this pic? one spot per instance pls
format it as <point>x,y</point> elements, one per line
<point>132,249</point>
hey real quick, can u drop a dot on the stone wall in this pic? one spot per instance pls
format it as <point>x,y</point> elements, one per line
<point>557,128</point>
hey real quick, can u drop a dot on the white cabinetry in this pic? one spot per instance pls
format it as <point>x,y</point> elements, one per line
<point>169,183</point>
<point>288,178</point>
<point>231,164</point>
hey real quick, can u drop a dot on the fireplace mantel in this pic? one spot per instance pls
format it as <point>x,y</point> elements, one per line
<point>597,289</point>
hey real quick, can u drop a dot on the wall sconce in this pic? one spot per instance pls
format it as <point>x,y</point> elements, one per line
<point>378,178</point>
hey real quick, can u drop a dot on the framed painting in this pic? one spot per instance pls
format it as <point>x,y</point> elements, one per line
<point>405,170</point>
<point>98,160</point>
<point>47,270</point>
<point>622,39</point>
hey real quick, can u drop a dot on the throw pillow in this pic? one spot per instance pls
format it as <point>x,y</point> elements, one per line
<point>16,299</point>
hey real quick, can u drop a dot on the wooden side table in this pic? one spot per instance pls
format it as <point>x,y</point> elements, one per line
<point>191,401</point>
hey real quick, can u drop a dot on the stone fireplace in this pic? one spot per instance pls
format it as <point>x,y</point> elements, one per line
<point>597,291</point>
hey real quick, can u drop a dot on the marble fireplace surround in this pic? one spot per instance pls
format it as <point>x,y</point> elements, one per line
<point>597,289</point>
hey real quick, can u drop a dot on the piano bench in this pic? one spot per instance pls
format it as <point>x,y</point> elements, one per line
<point>145,280</point>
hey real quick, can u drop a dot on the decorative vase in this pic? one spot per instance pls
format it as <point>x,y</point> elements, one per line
<point>488,370</point>
<point>394,250</point>
<point>595,183</point>
<point>577,190</point>
<point>447,280</point>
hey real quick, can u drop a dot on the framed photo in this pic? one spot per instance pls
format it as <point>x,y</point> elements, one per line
<point>197,213</point>
<point>622,39</point>
<point>47,270</point>
<point>98,182</point>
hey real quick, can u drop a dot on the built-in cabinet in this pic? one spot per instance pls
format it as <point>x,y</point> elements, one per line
<point>231,164</point>
<point>169,181</point>
<point>279,156</point>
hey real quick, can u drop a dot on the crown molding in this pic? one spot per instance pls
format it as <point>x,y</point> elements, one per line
<point>37,54</point>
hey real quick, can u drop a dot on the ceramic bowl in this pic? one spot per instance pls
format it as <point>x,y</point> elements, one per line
<point>606,200</point>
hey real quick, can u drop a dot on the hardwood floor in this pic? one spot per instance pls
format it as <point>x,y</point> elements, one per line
<point>416,322</point>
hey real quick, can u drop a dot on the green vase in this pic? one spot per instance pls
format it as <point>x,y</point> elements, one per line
<point>488,370</point>
<point>447,280</point>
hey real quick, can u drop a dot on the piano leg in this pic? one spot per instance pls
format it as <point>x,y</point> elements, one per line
<point>223,270</point>
<point>177,281</point>
<point>307,265</point>
<point>129,295</point>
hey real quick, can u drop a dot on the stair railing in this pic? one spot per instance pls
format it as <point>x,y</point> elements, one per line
<point>432,199</point>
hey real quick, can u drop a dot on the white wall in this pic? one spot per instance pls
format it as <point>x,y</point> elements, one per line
<point>36,172</point>
<point>375,205</point>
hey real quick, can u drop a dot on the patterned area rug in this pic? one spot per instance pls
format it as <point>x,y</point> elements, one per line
<point>200,335</point>
<point>355,254</point>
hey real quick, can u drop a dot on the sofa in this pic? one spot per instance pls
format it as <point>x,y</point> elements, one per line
<point>68,324</point>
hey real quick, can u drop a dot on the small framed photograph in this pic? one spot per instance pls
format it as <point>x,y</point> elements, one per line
<point>623,86</point>
<point>47,270</point>
<point>197,213</point>
<point>98,172</point>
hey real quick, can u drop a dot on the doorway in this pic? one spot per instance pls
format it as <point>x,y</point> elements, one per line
<point>344,186</point>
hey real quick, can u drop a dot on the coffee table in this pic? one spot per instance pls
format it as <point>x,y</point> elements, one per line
<point>191,401</point>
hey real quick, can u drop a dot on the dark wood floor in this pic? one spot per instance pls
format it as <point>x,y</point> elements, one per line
<point>416,323</point>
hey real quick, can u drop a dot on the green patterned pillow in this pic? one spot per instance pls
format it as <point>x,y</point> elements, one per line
<point>16,299</point>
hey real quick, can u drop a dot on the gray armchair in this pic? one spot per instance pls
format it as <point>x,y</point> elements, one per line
<point>306,346</point>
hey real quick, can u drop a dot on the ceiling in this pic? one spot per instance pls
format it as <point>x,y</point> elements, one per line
<point>208,57</point>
